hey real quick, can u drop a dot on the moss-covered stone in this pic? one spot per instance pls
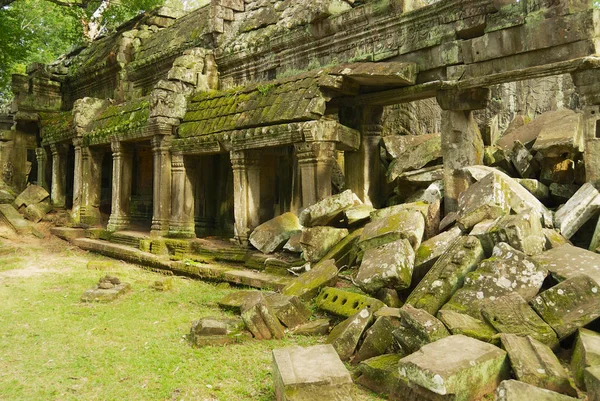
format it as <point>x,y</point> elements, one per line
<point>308,284</point>
<point>317,241</point>
<point>417,328</point>
<point>378,339</point>
<point>586,353</point>
<point>406,224</point>
<point>459,323</point>
<point>380,373</point>
<point>345,336</point>
<point>345,303</point>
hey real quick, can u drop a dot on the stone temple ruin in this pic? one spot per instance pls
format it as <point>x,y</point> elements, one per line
<point>442,157</point>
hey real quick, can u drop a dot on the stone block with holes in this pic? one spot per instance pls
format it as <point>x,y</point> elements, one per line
<point>345,303</point>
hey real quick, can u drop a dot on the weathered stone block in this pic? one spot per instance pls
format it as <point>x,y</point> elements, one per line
<point>12,218</point>
<point>553,239</point>
<point>260,318</point>
<point>592,382</point>
<point>512,314</point>
<point>430,251</point>
<point>459,323</point>
<point>317,241</point>
<point>563,136</point>
<point>328,210</point>
<point>317,327</point>
<point>389,296</point>
<point>457,367</point>
<point>534,363</point>
<point>521,231</point>
<point>345,252</point>
<point>513,390</point>
<point>586,353</point>
<point>484,200</point>
<point>32,195</point>
<point>562,193</point>
<point>389,265</point>
<point>107,290</point>
<point>308,284</point>
<point>411,152</point>
<point>447,275</point>
<point>310,373</point>
<point>357,215</point>
<point>405,224</point>
<point>273,234</point>
<point>290,311</point>
<point>345,336</point>
<point>378,339</point>
<point>380,373</point>
<point>584,205</point>
<point>523,161</point>
<point>213,331</point>
<point>430,213</point>
<point>345,303</point>
<point>36,212</point>
<point>569,305</point>
<point>537,189</point>
<point>417,328</point>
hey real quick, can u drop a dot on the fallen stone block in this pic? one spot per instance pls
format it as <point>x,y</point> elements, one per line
<point>108,289</point>
<point>562,136</point>
<point>273,234</point>
<point>521,231</point>
<point>293,244</point>
<point>423,176</point>
<point>562,193</point>
<point>36,212</point>
<point>447,275</point>
<point>523,161</point>
<point>569,305</point>
<point>260,318</point>
<point>494,156</point>
<point>31,195</point>
<point>405,224</point>
<point>380,374</point>
<point>378,339</point>
<point>218,331</point>
<point>310,373</point>
<point>586,353</point>
<point>345,336</point>
<point>514,390</point>
<point>6,197</point>
<point>430,251</point>
<point>357,215</point>
<point>534,363</point>
<point>308,285</point>
<point>390,297</point>
<point>328,210</point>
<point>457,368</point>
<point>14,220</point>
<point>234,300</point>
<point>536,188</point>
<point>459,323</point>
<point>345,252</point>
<point>584,205</point>
<point>487,199</point>
<point>554,239</point>
<point>411,152</point>
<point>567,261</point>
<point>512,314</point>
<point>345,303</point>
<point>317,241</point>
<point>430,213</point>
<point>507,271</point>
<point>417,328</point>
<point>592,383</point>
<point>290,311</point>
<point>389,265</point>
<point>317,327</point>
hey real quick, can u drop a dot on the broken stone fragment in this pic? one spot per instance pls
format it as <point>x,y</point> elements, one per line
<point>406,224</point>
<point>521,231</point>
<point>562,136</point>
<point>523,161</point>
<point>514,390</point>
<point>357,215</point>
<point>389,296</point>
<point>273,234</point>
<point>584,205</point>
<point>537,189</point>
<point>447,275</point>
<point>534,363</point>
<point>567,261</point>
<point>317,241</point>
<point>569,305</point>
<point>290,311</point>
<point>108,289</point>
<point>14,220</point>
<point>512,314</point>
<point>380,374</point>
<point>32,195</point>
<point>378,339</point>
<point>310,373</point>
<point>345,252</point>
<point>586,353</point>
<point>425,175</point>
<point>417,328</point>
<point>389,265</point>
<point>486,199</point>
<point>554,239</point>
<point>317,327</point>
<point>345,336</point>
<point>411,152</point>
<point>328,210</point>
<point>456,367</point>
<point>307,285</point>
<point>431,250</point>
<point>218,331</point>
<point>234,300</point>
<point>562,193</point>
<point>459,323</point>
<point>260,318</point>
<point>293,244</point>
<point>507,271</point>
<point>36,212</point>
<point>345,303</point>
<point>592,382</point>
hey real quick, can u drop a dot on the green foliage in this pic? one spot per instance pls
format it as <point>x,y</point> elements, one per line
<point>265,89</point>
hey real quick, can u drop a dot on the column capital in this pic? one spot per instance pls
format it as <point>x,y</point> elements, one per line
<point>58,148</point>
<point>78,142</point>
<point>241,159</point>
<point>371,129</point>
<point>40,154</point>
<point>161,143</point>
<point>177,161</point>
<point>307,152</point>
<point>463,99</point>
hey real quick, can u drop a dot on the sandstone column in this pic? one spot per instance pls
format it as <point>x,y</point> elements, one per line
<point>121,186</point>
<point>91,186</point>
<point>42,158</point>
<point>587,83</point>
<point>363,170</point>
<point>182,223</point>
<point>58,193</point>
<point>462,144</point>
<point>161,187</point>
<point>315,164</point>
<point>246,194</point>
<point>77,181</point>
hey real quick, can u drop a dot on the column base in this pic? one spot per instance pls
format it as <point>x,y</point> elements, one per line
<point>160,228</point>
<point>181,230</point>
<point>91,217</point>
<point>117,222</point>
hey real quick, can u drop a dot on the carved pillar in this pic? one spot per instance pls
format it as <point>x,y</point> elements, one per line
<point>91,186</point>
<point>246,194</point>
<point>315,164</point>
<point>182,199</point>
<point>161,189</point>
<point>462,144</point>
<point>42,159</point>
<point>58,193</point>
<point>77,181</point>
<point>121,186</point>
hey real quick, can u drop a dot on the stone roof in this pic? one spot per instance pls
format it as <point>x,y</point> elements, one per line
<point>287,100</point>
<point>56,127</point>
<point>125,119</point>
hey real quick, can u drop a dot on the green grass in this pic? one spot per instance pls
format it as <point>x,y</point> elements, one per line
<point>54,347</point>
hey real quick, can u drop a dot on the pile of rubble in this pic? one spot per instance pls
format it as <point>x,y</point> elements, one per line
<point>32,204</point>
<point>486,299</point>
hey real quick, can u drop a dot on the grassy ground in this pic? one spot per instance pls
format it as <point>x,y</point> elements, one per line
<point>53,347</point>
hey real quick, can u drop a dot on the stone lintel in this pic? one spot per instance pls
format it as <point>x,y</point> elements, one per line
<point>463,99</point>
<point>379,74</point>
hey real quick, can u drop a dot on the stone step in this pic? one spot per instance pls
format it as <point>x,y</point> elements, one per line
<point>128,238</point>
<point>123,252</point>
<point>68,233</point>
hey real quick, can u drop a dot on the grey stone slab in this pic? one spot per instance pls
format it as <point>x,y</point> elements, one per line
<point>405,224</point>
<point>378,339</point>
<point>566,261</point>
<point>459,323</point>
<point>345,336</point>
<point>487,199</point>
<point>417,328</point>
<point>586,353</point>
<point>31,195</point>
<point>514,390</point>
<point>317,241</point>
<point>431,250</point>
<point>584,205</point>
<point>388,265</point>
<point>307,285</point>
<point>328,210</point>
<point>273,234</point>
